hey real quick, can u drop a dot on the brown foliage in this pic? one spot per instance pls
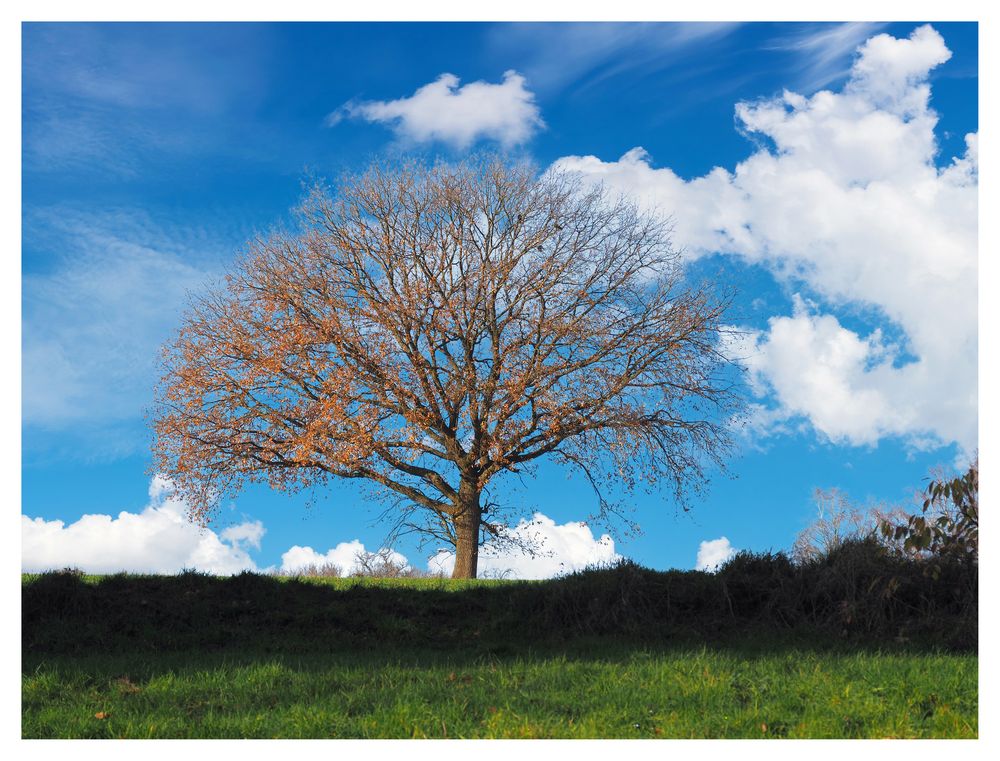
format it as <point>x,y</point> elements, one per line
<point>430,328</point>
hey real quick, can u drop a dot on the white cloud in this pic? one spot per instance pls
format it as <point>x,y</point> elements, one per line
<point>160,539</point>
<point>159,485</point>
<point>713,553</point>
<point>459,115</point>
<point>555,55</point>
<point>892,73</point>
<point>848,387</point>
<point>344,556</point>
<point>843,199</point>
<point>244,535</point>
<point>558,549</point>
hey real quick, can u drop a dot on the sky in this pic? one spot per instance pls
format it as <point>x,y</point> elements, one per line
<point>828,171</point>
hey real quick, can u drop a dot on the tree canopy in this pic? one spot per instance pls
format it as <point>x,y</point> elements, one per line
<point>427,328</point>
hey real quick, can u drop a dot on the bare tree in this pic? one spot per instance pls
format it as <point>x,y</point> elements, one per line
<point>838,521</point>
<point>429,328</point>
<point>313,570</point>
<point>384,564</point>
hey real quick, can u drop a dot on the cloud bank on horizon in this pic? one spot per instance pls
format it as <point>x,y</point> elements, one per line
<point>555,549</point>
<point>161,539</point>
<point>832,211</point>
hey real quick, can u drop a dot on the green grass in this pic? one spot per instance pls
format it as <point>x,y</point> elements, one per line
<point>602,692</point>
<point>437,583</point>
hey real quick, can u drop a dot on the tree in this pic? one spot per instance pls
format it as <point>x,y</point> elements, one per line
<point>839,522</point>
<point>947,527</point>
<point>427,329</point>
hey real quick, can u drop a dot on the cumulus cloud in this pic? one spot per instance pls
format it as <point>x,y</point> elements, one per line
<point>159,487</point>
<point>892,73</point>
<point>160,539</point>
<point>556,549</point>
<point>346,556</point>
<point>848,385</point>
<point>843,200</point>
<point>713,553</point>
<point>244,534</point>
<point>459,115</point>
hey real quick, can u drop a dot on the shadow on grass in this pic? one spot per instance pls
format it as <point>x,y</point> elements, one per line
<point>756,604</point>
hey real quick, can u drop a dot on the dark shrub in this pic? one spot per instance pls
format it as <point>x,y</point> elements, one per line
<point>860,592</point>
<point>758,585</point>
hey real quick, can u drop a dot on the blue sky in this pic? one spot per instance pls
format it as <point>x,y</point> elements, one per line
<point>824,169</point>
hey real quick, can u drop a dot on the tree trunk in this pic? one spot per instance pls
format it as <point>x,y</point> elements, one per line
<point>467,521</point>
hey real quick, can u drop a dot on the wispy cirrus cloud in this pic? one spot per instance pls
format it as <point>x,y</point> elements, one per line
<point>824,51</point>
<point>557,55</point>
<point>459,115</point>
<point>93,321</point>
<point>111,98</point>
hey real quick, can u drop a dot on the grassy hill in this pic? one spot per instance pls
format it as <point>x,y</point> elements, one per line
<point>858,644</point>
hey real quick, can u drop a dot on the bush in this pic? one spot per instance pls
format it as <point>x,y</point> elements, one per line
<point>758,585</point>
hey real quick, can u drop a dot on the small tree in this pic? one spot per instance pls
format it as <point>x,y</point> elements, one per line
<point>839,521</point>
<point>948,524</point>
<point>428,329</point>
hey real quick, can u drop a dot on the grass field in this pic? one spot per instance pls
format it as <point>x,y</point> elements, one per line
<point>576,693</point>
<point>195,656</point>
